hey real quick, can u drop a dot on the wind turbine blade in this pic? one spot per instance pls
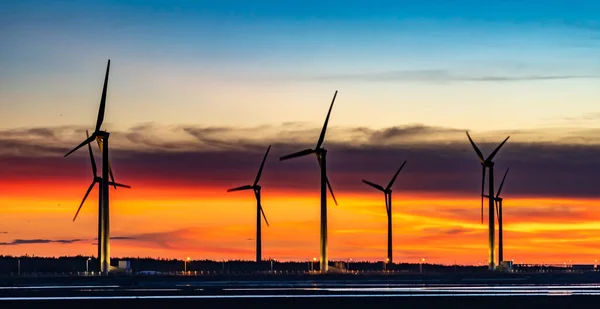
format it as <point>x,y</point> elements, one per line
<point>110,172</point>
<point>327,182</point>
<point>322,136</point>
<point>374,185</point>
<point>396,175</point>
<point>84,197</point>
<point>94,169</point>
<point>103,100</point>
<point>497,211</point>
<point>482,188</point>
<point>87,141</point>
<point>118,185</point>
<point>246,187</point>
<point>261,166</point>
<point>502,183</point>
<point>304,152</point>
<point>331,191</point>
<point>479,154</point>
<point>264,216</point>
<point>491,156</point>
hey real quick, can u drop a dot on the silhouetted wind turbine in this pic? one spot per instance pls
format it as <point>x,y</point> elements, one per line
<point>102,138</point>
<point>96,180</point>
<point>387,192</point>
<point>498,201</point>
<point>488,163</point>
<point>259,210</point>
<point>321,154</point>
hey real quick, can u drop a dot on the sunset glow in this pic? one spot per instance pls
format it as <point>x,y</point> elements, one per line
<point>197,95</point>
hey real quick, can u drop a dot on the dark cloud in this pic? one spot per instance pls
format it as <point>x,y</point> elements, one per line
<point>3,232</point>
<point>445,165</point>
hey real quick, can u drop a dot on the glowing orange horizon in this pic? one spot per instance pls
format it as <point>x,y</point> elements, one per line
<point>209,223</point>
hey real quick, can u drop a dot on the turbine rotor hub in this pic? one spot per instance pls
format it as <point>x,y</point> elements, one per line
<point>320,152</point>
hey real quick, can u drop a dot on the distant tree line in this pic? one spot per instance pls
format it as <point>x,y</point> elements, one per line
<point>11,265</point>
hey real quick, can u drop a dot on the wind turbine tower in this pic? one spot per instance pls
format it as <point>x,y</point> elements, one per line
<point>321,154</point>
<point>259,210</point>
<point>387,192</point>
<point>489,164</point>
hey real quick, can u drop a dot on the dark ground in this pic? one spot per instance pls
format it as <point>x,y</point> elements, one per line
<point>305,291</point>
<point>529,302</point>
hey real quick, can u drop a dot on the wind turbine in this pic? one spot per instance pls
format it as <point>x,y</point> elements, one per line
<point>387,192</point>
<point>321,154</point>
<point>102,138</point>
<point>498,201</point>
<point>95,180</point>
<point>259,210</point>
<point>488,163</point>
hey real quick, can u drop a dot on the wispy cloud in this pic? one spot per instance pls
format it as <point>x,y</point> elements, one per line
<point>155,138</point>
<point>17,242</point>
<point>191,239</point>
<point>120,238</point>
<point>588,116</point>
<point>441,75</point>
<point>457,230</point>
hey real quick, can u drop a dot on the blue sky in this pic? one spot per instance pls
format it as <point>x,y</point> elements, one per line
<point>249,63</point>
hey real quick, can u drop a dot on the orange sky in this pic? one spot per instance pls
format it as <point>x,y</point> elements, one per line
<point>209,223</point>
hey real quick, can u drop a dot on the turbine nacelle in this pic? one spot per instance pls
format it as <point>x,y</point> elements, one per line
<point>95,135</point>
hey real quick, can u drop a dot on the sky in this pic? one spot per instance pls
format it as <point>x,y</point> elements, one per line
<point>199,89</point>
